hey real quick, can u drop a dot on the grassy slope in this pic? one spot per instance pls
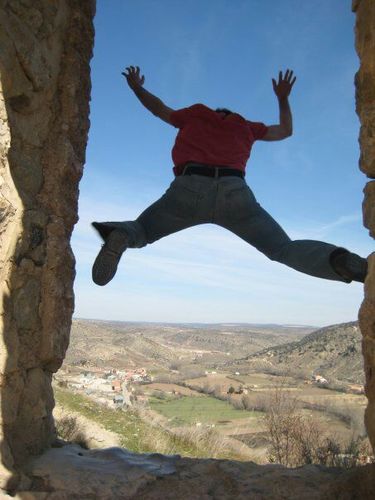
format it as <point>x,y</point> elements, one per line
<point>138,435</point>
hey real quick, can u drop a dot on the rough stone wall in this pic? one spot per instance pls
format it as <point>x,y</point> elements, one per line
<point>365,106</point>
<point>45,51</point>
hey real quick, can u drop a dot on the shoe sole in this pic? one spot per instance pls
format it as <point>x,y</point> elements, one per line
<point>106,263</point>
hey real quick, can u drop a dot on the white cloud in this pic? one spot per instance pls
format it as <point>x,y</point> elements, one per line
<point>341,221</point>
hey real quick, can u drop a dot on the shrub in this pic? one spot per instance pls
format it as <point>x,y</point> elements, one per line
<point>175,366</point>
<point>165,378</point>
<point>261,403</point>
<point>237,403</point>
<point>340,454</point>
<point>296,439</point>
<point>191,372</point>
<point>160,395</point>
<point>207,388</point>
<point>68,429</point>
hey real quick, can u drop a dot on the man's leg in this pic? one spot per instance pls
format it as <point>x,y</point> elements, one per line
<point>242,215</point>
<point>174,211</point>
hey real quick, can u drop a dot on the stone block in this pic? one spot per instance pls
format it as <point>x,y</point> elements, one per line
<point>369,207</point>
<point>26,304</point>
<point>368,347</point>
<point>367,317</point>
<point>370,421</point>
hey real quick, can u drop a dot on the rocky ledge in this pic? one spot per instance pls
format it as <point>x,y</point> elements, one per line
<point>71,472</point>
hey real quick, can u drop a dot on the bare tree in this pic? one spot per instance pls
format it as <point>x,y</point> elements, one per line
<point>297,439</point>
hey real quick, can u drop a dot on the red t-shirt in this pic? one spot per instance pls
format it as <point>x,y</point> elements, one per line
<point>207,137</point>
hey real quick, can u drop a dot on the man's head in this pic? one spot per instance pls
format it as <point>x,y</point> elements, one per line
<point>224,111</point>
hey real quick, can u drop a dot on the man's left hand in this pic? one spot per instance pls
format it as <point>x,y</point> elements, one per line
<point>284,86</point>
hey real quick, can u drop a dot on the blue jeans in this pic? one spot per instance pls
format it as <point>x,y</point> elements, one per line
<point>230,203</point>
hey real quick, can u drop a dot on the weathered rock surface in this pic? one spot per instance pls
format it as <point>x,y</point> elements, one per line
<point>44,103</point>
<point>114,473</point>
<point>365,106</point>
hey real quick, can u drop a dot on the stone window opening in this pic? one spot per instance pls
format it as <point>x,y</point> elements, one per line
<point>45,91</point>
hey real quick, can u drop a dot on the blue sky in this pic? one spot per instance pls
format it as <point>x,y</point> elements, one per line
<point>223,53</point>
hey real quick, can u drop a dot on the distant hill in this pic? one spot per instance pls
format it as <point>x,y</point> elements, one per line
<point>100,344</point>
<point>120,344</point>
<point>333,352</point>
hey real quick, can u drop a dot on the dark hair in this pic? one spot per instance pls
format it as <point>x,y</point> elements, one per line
<point>224,110</point>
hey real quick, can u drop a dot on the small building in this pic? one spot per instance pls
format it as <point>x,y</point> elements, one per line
<point>116,385</point>
<point>74,385</point>
<point>118,400</point>
<point>320,380</point>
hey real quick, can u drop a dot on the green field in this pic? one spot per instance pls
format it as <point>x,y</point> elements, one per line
<point>138,435</point>
<point>189,410</point>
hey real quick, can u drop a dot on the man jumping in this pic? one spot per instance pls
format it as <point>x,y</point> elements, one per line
<point>209,156</point>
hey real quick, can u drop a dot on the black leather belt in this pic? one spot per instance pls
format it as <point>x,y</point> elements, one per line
<point>211,171</point>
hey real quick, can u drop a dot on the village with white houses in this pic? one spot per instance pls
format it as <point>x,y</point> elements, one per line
<point>114,388</point>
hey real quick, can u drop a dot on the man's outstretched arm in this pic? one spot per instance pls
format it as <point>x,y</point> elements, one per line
<point>149,101</point>
<point>282,90</point>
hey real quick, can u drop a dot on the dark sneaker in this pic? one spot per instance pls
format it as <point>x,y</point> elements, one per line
<point>350,266</point>
<point>104,229</point>
<point>105,265</point>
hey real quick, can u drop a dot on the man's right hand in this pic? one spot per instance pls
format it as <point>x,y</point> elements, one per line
<point>283,87</point>
<point>133,77</point>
